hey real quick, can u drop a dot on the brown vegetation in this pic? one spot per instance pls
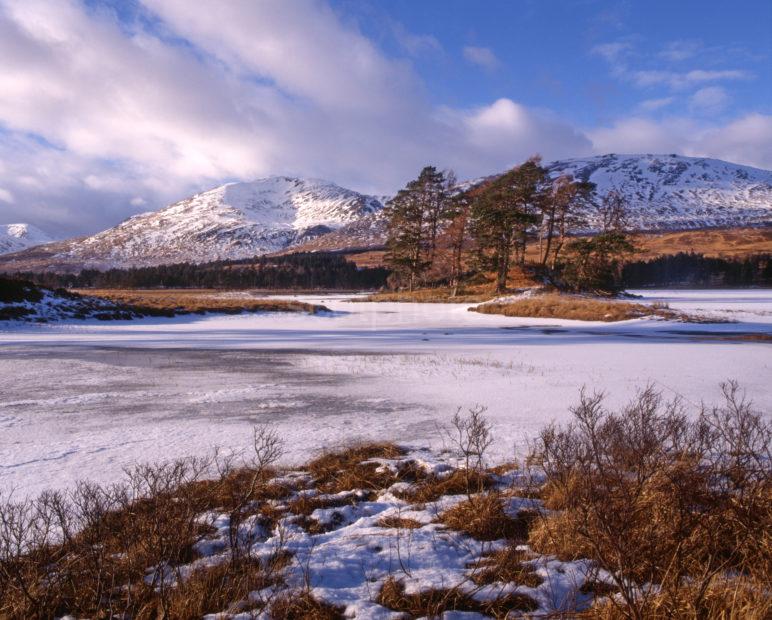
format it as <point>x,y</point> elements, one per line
<point>432,603</point>
<point>718,242</point>
<point>649,495</point>
<point>505,566</point>
<point>483,517</point>
<point>184,301</point>
<point>653,496</point>
<point>556,306</point>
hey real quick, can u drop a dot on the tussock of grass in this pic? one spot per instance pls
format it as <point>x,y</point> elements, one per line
<point>401,523</point>
<point>432,603</point>
<point>346,470</point>
<point>554,306</point>
<point>483,517</point>
<point>459,482</point>
<point>223,587</point>
<point>184,301</point>
<point>505,566</point>
<point>303,606</point>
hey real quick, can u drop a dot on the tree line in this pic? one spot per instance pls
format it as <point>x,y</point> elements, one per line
<point>433,224</point>
<point>305,271</point>
<point>696,270</point>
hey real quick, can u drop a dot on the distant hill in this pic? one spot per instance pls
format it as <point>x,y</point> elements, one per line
<point>277,214</point>
<point>16,237</point>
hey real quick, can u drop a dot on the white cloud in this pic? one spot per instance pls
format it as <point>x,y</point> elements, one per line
<point>482,57</point>
<point>99,119</point>
<point>650,105</point>
<point>678,80</point>
<point>677,51</point>
<point>711,99</point>
<point>6,196</point>
<point>747,140</point>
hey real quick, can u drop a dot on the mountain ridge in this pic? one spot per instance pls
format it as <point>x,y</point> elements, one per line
<point>280,214</point>
<point>20,236</point>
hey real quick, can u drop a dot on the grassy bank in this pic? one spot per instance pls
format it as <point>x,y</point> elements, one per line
<point>182,301</point>
<point>574,307</point>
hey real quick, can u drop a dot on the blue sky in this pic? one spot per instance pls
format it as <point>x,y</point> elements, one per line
<point>112,107</point>
<point>558,55</point>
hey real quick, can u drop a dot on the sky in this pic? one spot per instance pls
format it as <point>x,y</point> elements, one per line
<point>109,108</point>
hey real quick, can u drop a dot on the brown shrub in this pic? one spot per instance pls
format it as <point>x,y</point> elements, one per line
<point>653,496</point>
<point>432,603</point>
<point>483,517</point>
<point>725,599</point>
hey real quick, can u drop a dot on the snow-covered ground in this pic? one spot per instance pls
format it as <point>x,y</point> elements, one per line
<point>84,399</point>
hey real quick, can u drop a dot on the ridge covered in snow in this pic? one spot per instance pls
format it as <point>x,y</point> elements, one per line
<point>243,220</point>
<point>16,237</point>
<point>669,192</point>
<point>236,220</point>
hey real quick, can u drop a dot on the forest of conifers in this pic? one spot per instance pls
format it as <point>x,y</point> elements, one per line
<point>318,271</point>
<point>329,271</point>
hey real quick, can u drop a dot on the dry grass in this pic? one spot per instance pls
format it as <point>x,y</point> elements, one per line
<point>482,517</point>
<point>505,566</point>
<point>303,606</point>
<point>718,242</point>
<point>224,587</point>
<point>730,599</point>
<point>184,301</point>
<point>400,523</point>
<point>432,603</point>
<point>555,306</point>
<point>714,242</point>
<point>459,482</point>
<point>346,469</point>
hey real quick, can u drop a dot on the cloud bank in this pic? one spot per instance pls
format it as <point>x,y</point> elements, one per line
<point>103,115</point>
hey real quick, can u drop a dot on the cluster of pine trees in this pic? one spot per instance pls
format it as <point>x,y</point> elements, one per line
<point>294,271</point>
<point>432,224</point>
<point>696,270</point>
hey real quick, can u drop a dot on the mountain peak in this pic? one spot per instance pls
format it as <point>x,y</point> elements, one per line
<point>20,236</point>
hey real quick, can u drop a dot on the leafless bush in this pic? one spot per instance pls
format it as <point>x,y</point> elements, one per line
<point>471,437</point>
<point>656,497</point>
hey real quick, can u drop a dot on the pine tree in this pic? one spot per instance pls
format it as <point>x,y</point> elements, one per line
<point>415,217</point>
<point>562,211</point>
<point>502,214</point>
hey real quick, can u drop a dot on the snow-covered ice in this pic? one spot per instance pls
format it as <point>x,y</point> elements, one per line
<point>85,399</point>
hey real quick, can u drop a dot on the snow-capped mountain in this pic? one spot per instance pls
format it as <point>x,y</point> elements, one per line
<point>16,237</point>
<point>667,192</point>
<point>662,192</point>
<point>237,220</point>
<point>242,220</point>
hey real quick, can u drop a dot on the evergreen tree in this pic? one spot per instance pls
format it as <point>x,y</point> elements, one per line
<point>415,218</point>
<point>502,214</point>
<point>562,212</point>
<point>595,264</point>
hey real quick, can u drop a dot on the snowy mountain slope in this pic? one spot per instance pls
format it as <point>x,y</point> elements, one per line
<point>241,220</point>
<point>662,192</point>
<point>667,192</point>
<point>16,237</point>
<point>237,220</point>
